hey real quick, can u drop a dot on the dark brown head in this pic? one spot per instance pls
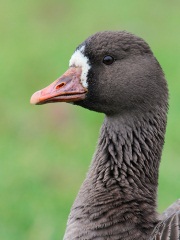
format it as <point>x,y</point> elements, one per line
<point>110,72</point>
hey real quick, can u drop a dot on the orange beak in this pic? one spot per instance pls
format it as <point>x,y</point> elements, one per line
<point>67,88</point>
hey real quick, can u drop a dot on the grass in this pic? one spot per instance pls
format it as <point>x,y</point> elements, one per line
<point>45,151</point>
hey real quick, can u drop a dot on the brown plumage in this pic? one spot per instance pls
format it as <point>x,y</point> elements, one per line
<point>115,73</point>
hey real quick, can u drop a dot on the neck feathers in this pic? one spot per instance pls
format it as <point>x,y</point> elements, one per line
<point>132,150</point>
<point>118,196</point>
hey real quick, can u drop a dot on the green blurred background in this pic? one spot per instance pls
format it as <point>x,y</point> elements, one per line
<point>45,151</point>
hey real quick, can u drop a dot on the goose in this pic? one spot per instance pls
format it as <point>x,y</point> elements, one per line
<point>116,73</point>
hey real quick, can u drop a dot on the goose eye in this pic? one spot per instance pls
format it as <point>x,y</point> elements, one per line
<point>108,60</point>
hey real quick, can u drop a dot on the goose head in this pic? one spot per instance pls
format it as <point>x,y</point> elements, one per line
<point>110,72</point>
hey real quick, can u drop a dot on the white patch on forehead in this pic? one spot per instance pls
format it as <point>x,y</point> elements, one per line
<point>78,59</point>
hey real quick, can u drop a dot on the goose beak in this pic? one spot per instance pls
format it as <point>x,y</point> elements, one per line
<point>67,88</point>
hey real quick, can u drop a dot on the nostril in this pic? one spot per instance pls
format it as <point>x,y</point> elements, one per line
<point>60,85</point>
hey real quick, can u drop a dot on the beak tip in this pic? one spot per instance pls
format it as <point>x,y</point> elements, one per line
<point>35,97</point>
